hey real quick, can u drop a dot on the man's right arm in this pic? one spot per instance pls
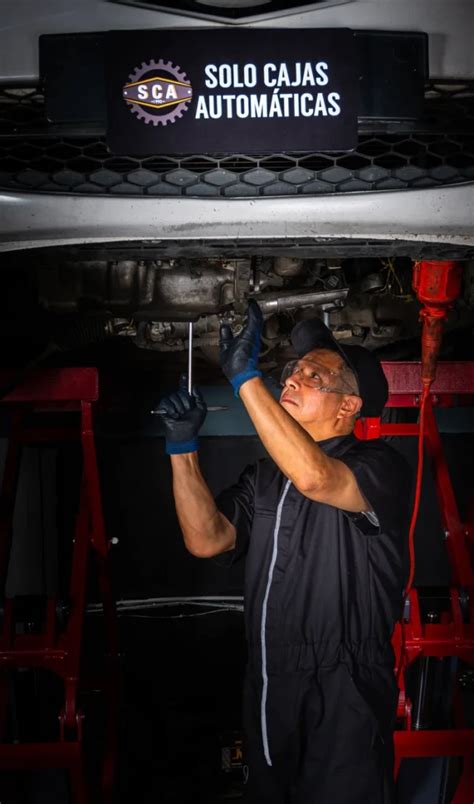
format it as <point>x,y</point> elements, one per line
<point>206,531</point>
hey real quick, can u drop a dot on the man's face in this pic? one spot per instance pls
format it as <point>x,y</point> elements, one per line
<point>307,404</point>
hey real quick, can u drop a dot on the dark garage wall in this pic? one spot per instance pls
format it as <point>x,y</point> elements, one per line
<point>150,558</point>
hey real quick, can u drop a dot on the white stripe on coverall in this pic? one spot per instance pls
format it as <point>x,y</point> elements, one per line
<point>266,749</point>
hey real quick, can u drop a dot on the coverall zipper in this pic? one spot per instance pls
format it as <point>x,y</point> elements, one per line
<point>263,712</point>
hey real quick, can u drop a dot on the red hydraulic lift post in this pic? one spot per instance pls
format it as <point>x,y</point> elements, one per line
<point>428,385</point>
<point>57,646</point>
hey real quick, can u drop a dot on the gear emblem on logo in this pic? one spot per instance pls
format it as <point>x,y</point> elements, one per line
<point>158,92</point>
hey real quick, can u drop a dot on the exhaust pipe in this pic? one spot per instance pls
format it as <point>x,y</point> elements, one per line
<point>278,304</point>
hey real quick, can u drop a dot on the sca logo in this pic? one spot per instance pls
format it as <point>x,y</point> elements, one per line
<point>158,92</point>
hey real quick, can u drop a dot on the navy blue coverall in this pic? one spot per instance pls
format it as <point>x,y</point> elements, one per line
<point>323,590</point>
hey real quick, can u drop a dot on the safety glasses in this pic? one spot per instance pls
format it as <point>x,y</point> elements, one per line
<point>314,375</point>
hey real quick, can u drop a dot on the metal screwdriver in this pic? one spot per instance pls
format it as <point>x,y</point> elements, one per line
<point>211,408</point>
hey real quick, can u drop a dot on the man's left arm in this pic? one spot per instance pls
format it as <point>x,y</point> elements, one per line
<point>314,474</point>
<point>311,471</point>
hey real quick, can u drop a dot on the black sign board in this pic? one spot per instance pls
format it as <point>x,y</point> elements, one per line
<point>227,91</point>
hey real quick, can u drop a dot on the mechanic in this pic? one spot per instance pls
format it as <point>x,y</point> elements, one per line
<point>322,525</point>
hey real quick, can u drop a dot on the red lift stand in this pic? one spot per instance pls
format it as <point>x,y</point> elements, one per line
<point>454,634</point>
<point>427,385</point>
<point>56,646</point>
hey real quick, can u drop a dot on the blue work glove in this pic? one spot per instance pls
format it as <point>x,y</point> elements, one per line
<point>183,415</point>
<point>239,355</point>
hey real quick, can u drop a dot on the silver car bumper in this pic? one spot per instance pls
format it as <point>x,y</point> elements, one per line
<point>432,215</point>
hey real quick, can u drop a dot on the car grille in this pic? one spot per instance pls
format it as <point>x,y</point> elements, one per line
<point>436,151</point>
